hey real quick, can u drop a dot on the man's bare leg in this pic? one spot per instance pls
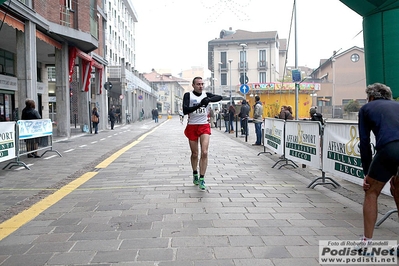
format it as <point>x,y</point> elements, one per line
<point>370,207</point>
<point>204,142</point>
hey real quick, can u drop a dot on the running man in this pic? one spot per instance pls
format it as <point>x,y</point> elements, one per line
<point>198,127</point>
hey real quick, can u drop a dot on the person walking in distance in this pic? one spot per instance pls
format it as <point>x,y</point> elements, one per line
<point>112,117</point>
<point>258,120</point>
<point>95,118</point>
<point>379,115</point>
<point>198,129</point>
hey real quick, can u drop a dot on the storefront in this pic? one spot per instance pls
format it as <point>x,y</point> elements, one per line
<point>8,87</point>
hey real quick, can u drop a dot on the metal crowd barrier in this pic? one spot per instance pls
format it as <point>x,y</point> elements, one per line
<point>333,149</point>
<point>27,137</point>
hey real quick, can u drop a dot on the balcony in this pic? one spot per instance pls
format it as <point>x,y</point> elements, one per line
<point>262,65</point>
<point>242,65</point>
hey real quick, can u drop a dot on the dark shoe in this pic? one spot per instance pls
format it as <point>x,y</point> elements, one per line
<point>255,144</point>
<point>36,156</point>
<point>30,156</point>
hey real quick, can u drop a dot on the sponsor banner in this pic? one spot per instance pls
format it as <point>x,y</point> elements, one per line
<point>7,141</point>
<point>341,152</point>
<point>302,142</point>
<point>34,128</point>
<point>348,252</point>
<point>274,135</point>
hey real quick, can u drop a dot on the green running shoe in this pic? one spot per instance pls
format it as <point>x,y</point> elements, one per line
<point>202,184</point>
<point>195,179</point>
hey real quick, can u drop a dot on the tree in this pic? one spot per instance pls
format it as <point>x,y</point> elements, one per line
<point>352,106</point>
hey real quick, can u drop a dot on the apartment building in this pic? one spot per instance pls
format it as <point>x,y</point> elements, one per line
<point>255,55</point>
<point>257,59</point>
<point>343,79</point>
<point>56,53</point>
<point>56,40</point>
<point>130,91</point>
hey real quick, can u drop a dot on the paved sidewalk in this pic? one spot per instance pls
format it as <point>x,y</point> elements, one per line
<point>138,206</point>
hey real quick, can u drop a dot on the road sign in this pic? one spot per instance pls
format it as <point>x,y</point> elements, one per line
<point>296,75</point>
<point>244,88</point>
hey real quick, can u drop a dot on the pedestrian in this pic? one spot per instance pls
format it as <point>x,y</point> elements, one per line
<point>156,115</point>
<point>112,117</point>
<point>217,117</point>
<point>315,116</point>
<point>181,116</point>
<point>195,106</point>
<point>232,113</point>
<point>289,108</point>
<point>211,117</point>
<point>225,114</point>
<point>118,115</point>
<point>258,120</point>
<point>243,115</point>
<point>30,113</point>
<point>95,118</point>
<point>380,116</point>
<point>285,113</point>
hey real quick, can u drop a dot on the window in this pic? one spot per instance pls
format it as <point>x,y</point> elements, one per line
<point>262,58</point>
<point>262,77</point>
<point>6,63</point>
<point>223,79</point>
<point>51,73</point>
<point>68,4</point>
<point>223,60</point>
<point>355,58</point>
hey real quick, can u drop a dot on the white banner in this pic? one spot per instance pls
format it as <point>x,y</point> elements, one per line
<point>274,135</point>
<point>7,141</point>
<point>302,142</point>
<point>35,128</point>
<point>341,152</point>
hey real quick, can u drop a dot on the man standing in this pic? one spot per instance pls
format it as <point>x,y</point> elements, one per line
<point>243,115</point>
<point>379,115</point>
<point>195,106</point>
<point>258,120</point>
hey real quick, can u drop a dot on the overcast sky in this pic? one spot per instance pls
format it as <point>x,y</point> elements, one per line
<point>174,34</point>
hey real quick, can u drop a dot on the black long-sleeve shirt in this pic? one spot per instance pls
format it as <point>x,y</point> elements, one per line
<point>382,118</point>
<point>186,101</point>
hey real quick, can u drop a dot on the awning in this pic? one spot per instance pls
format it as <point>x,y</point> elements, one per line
<point>48,40</point>
<point>11,21</point>
<point>87,63</point>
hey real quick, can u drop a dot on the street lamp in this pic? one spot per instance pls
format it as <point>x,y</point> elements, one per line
<point>231,99</point>
<point>243,45</point>
<point>333,88</point>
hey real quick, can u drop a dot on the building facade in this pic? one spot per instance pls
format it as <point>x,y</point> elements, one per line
<point>56,53</point>
<point>130,91</point>
<point>170,91</point>
<point>343,79</point>
<point>238,54</point>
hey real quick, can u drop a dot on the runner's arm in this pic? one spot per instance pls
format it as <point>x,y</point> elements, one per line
<point>213,97</point>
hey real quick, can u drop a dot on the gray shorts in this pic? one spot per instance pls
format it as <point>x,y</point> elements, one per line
<point>385,163</point>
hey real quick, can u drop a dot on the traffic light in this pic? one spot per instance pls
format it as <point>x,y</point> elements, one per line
<point>108,85</point>
<point>242,81</point>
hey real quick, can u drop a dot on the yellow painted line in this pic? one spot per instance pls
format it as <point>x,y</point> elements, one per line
<point>14,223</point>
<point>11,225</point>
<point>115,156</point>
